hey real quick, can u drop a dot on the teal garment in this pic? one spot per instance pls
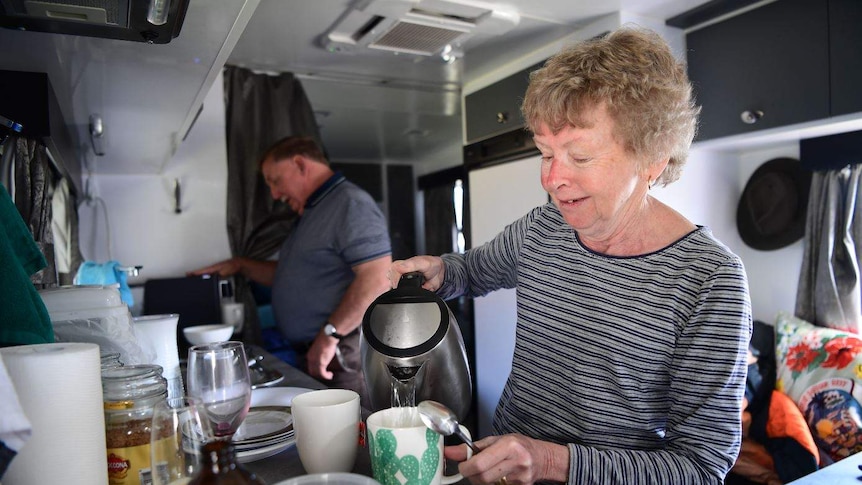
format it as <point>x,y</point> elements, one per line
<point>23,316</point>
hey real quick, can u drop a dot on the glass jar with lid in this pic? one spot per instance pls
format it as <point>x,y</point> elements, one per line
<point>129,394</point>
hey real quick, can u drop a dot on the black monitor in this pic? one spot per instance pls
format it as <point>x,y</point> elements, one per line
<point>195,298</point>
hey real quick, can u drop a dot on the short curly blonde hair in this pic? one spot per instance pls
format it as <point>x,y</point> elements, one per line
<point>644,88</point>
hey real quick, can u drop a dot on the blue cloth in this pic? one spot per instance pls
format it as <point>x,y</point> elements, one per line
<point>92,273</point>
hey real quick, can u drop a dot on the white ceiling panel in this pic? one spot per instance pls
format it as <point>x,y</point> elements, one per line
<point>372,105</point>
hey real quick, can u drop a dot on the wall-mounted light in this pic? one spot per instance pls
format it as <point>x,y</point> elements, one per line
<point>97,133</point>
<point>157,14</point>
<point>450,54</point>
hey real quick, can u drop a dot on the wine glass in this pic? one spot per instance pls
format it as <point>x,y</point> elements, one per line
<point>218,376</point>
<point>177,434</point>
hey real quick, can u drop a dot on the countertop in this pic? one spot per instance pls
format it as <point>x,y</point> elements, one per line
<point>287,465</point>
<point>845,471</point>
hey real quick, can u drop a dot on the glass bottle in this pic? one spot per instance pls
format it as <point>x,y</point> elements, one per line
<point>221,468</point>
<point>130,393</point>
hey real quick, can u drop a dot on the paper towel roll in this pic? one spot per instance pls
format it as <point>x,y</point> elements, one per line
<point>60,389</point>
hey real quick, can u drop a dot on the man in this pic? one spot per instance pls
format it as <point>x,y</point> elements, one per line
<point>330,268</point>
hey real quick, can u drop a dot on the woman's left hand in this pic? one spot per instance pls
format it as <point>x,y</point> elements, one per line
<point>515,457</point>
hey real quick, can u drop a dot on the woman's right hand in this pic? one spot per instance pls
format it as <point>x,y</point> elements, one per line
<point>431,267</point>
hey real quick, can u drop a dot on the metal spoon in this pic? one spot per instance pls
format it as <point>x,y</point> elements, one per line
<point>442,420</point>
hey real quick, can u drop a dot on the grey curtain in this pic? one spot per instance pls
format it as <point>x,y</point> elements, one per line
<point>829,293</point>
<point>33,187</point>
<point>260,110</point>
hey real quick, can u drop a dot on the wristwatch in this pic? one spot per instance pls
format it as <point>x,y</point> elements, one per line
<point>330,331</point>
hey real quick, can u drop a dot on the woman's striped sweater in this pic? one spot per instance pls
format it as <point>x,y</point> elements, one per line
<point>638,364</point>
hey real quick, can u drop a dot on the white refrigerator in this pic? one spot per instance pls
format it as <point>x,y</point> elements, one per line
<point>498,194</point>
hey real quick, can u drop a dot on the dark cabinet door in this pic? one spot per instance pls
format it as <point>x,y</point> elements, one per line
<point>845,54</point>
<point>497,108</point>
<point>771,63</point>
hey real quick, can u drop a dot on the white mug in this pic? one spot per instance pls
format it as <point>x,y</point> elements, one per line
<point>233,314</point>
<point>326,427</point>
<point>404,450</point>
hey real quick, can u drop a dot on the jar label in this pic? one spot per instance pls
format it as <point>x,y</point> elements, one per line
<point>119,405</point>
<point>131,465</point>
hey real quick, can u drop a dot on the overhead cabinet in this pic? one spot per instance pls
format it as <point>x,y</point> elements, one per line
<point>762,69</point>
<point>496,109</point>
<point>845,55</point>
<point>28,99</point>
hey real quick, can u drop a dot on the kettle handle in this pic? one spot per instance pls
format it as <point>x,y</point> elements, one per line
<point>413,279</point>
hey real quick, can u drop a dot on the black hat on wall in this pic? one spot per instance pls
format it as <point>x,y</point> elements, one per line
<point>773,205</point>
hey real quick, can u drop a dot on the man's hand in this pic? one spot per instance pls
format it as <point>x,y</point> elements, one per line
<point>319,356</point>
<point>259,271</point>
<point>369,283</point>
<point>228,267</point>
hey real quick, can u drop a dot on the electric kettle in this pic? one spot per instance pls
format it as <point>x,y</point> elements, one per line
<point>412,350</point>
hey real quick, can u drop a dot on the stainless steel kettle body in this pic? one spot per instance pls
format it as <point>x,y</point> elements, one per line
<point>410,339</point>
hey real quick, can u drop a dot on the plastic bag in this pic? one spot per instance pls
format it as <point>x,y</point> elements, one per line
<point>111,330</point>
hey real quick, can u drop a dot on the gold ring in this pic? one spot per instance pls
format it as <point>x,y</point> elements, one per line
<point>502,481</point>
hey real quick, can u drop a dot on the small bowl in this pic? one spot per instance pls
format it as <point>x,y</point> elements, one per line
<point>330,479</point>
<point>207,334</point>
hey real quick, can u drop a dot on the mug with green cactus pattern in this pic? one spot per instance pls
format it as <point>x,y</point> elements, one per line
<point>404,451</point>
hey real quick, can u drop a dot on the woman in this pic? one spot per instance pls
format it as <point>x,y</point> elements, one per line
<point>633,322</point>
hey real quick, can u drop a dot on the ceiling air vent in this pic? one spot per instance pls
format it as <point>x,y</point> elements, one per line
<point>423,27</point>
<point>416,38</point>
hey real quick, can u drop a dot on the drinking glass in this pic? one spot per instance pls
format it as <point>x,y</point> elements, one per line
<point>218,376</point>
<point>177,434</point>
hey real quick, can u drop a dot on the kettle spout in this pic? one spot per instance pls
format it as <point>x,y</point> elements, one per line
<point>405,381</point>
<point>403,373</point>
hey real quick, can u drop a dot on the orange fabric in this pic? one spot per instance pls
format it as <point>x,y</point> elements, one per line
<point>755,463</point>
<point>786,420</point>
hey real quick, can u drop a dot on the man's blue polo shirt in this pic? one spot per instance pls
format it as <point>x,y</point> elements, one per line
<point>341,226</point>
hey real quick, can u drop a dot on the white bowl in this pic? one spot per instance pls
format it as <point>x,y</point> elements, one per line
<point>208,334</point>
<point>330,479</point>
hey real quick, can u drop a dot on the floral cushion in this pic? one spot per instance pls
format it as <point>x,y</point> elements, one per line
<point>821,370</point>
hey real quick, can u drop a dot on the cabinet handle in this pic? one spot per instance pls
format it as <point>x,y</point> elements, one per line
<point>502,117</point>
<point>750,117</point>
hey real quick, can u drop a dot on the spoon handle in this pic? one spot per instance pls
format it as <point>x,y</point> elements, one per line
<point>466,439</point>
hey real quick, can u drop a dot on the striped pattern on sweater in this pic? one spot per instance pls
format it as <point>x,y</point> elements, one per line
<point>638,364</point>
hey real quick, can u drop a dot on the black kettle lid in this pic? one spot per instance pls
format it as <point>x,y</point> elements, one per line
<point>402,339</point>
<point>409,290</point>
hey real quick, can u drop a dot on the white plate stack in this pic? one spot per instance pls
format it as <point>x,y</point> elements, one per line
<point>266,431</point>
